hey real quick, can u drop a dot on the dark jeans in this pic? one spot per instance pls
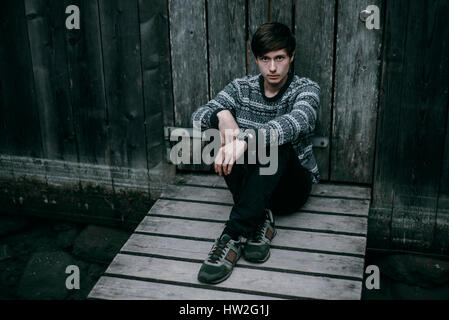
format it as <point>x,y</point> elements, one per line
<point>283,192</point>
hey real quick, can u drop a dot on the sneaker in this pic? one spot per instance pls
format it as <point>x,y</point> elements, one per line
<point>257,248</point>
<point>221,260</point>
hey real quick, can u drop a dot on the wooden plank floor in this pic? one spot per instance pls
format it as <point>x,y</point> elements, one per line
<point>318,252</point>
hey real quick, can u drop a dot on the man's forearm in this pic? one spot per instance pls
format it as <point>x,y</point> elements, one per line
<point>226,120</point>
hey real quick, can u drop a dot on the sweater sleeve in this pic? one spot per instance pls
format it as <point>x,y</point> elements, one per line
<point>299,121</point>
<point>206,115</point>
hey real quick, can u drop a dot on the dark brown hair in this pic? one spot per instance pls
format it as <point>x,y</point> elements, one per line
<point>271,37</point>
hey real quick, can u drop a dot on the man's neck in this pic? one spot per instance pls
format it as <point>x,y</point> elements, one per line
<point>272,90</point>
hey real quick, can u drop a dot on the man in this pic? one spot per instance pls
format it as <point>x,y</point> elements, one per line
<point>275,101</point>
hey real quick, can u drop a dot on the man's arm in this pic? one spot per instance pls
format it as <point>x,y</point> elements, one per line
<point>230,147</point>
<point>205,116</point>
<point>228,126</point>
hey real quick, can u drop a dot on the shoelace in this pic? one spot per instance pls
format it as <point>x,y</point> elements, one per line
<point>218,251</point>
<point>260,232</point>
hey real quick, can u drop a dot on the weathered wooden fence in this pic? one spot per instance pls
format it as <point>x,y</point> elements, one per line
<point>88,107</point>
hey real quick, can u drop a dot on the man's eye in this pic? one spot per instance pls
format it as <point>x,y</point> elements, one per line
<point>264,59</point>
<point>279,58</point>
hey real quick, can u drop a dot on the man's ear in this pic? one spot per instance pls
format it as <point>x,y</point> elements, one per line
<point>293,56</point>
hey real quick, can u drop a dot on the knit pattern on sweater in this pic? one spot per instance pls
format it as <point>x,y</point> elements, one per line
<point>292,113</point>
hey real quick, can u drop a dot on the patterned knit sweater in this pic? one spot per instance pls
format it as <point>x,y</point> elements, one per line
<point>292,112</point>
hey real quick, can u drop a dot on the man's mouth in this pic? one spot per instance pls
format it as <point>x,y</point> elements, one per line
<point>272,76</point>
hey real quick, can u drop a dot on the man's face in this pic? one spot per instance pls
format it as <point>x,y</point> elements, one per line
<point>274,66</point>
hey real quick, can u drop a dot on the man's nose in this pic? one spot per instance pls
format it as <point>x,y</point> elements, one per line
<point>272,66</point>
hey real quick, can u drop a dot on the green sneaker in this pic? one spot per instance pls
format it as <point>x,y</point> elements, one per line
<point>257,248</point>
<point>221,260</point>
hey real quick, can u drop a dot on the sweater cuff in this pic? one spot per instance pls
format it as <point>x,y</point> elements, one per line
<point>214,118</point>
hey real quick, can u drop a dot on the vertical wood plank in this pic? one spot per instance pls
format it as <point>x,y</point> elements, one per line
<point>386,159</point>
<point>258,14</point>
<point>189,57</point>
<point>19,117</point>
<point>123,82</point>
<point>441,231</point>
<point>281,11</point>
<point>46,29</point>
<point>87,84</point>
<point>156,75</point>
<point>422,127</point>
<point>157,87</point>
<point>356,94</point>
<point>226,29</point>
<point>314,59</point>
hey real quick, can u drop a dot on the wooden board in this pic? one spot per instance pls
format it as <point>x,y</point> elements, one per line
<point>317,204</point>
<point>113,288</point>
<point>123,83</point>
<point>291,239</point>
<point>156,76</point>
<point>410,187</point>
<point>46,31</point>
<point>421,138</point>
<point>314,32</point>
<point>226,37</point>
<point>154,38</point>
<point>258,13</point>
<point>85,63</point>
<point>299,220</point>
<point>253,281</point>
<point>357,72</point>
<point>320,189</point>
<point>305,262</point>
<point>282,11</point>
<point>188,45</point>
<point>388,128</point>
<point>313,256</point>
<point>19,124</point>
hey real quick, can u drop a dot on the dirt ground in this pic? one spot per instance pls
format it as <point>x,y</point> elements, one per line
<point>34,255</point>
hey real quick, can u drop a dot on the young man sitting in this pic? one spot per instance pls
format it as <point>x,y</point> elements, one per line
<point>276,101</point>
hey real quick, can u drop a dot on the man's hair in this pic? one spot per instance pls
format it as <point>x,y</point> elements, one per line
<point>271,37</point>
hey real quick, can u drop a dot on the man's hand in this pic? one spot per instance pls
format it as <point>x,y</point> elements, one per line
<point>228,155</point>
<point>227,126</point>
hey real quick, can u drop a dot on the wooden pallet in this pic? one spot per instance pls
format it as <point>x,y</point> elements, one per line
<point>318,252</point>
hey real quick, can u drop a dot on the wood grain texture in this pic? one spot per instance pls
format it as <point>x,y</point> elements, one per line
<point>282,11</point>
<point>20,132</point>
<point>320,189</point>
<point>189,58</point>
<point>332,243</point>
<point>442,220</point>
<point>227,46</point>
<point>318,204</point>
<point>258,14</point>
<point>157,89</point>
<point>86,84</point>
<point>112,288</point>
<point>301,220</point>
<point>314,32</point>
<point>123,83</point>
<point>286,260</point>
<point>46,30</point>
<point>356,94</point>
<point>421,139</point>
<point>388,127</point>
<point>251,280</point>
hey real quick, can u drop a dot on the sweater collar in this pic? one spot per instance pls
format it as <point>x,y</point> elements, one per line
<point>281,91</point>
